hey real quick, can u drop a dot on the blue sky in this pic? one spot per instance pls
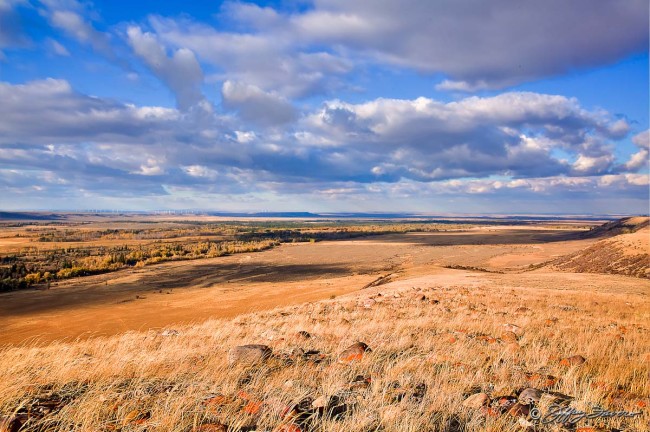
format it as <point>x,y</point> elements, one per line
<point>425,106</point>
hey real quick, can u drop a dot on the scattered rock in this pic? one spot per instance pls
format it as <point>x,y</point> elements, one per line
<point>476,401</point>
<point>513,328</point>
<point>320,402</point>
<point>249,354</point>
<point>355,352</point>
<point>575,360</point>
<point>522,309</point>
<point>555,398</point>
<point>519,410</point>
<point>530,396</point>
<point>509,336</point>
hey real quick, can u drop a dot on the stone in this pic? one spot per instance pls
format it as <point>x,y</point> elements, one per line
<point>530,396</point>
<point>476,401</point>
<point>519,410</point>
<point>575,360</point>
<point>320,402</point>
<point>354,352</point>
<point>555,398</point>
<point>513,328</point>
<point>249,354</point>
<point>509,336</point>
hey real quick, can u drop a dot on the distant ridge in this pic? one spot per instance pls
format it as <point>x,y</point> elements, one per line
<point>621,226</point>
<point>624,250</point>
<point>30,216</point>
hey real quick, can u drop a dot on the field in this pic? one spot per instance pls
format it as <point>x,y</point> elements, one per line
<point>460,317</point>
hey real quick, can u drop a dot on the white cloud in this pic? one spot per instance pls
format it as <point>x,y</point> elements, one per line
<point>57,48</point>
<point>181,72</point>
<point>255,105</point>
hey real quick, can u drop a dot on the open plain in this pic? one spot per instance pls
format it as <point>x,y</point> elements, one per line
<point>455,322</point>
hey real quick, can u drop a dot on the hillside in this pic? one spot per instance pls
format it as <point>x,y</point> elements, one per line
<point>625,250</point>
<point>453,352</point>
<point>620,226</point>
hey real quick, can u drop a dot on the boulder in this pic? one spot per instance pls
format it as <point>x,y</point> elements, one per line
<point>249,354</point>
<point>575,360</point>
<point>476,401</point>
<point>530,396</point>
<point>354,352</point>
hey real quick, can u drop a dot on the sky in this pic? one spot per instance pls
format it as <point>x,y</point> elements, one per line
<point>429,106</point>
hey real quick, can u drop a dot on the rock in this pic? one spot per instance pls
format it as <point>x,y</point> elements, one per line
<point>320,402</point>
<point>575,360</point>
<point>530,396</point>
<point>253,407</point>
<point>519,410</point>
<point>476,401</point>
<point>509,336</point>
<point>522,309</point>
<point>504,403</point>
<point>555,398</point>
<point>249,354</point>
<point>369,303</point>
<point>354,352</point>
<point>513,328</point>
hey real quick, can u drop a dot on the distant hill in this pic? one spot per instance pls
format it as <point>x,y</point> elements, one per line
<point>26,216</point>
<point>624,250</point>
<point>619,226</point>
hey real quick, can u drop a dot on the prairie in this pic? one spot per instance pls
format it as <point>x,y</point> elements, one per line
<point>447,315</point>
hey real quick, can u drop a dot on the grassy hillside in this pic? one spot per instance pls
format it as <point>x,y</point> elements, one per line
<point>434,341</point>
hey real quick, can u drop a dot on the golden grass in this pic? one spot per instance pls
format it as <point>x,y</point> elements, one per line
<point>106,383</point>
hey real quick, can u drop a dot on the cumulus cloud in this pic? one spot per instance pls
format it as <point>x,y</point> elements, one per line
<point>387,148</point>
<point>533,40</point>
<point>305,52</point>
<point>640,159</point>
<point>181,72</point>
<point>255,105</point>
<point>70,16</point>
<point>272,61</point>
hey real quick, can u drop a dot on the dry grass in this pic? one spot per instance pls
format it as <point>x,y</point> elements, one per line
<point>105,383</point>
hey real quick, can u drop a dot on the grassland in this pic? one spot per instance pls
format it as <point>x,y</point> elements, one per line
<point>139,359</point>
